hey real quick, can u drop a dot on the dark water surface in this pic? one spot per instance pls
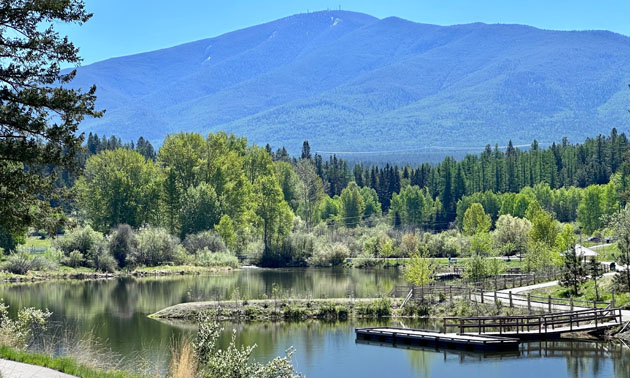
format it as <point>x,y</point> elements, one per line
<point>115,313</point>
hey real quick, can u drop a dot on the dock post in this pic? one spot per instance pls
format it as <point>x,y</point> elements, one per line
<point>481,291</point>
<point>595,303</point>
<point>529,302</point>
<point>612,302</point>
<point>444,328</point>
<point>495,297</point>
<point>511,304</point>
<point>596,318</point>
<point>571,303</point>
<point>549,303</point>
<point>450,293</point>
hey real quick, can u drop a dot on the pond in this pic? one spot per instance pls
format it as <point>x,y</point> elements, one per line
<point>114,312</point>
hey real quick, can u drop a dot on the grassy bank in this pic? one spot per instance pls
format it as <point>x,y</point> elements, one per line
<point>84,273</point>
<point>62,364</point>
<point>331,309</point>
<point>587,292</point>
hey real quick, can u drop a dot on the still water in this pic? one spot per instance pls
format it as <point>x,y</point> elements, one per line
<point>114,312</point>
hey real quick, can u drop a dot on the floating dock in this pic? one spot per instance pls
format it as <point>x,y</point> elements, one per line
<point>427,338</point>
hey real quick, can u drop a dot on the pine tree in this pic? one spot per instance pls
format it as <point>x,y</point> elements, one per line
<point>595,271</point>
<point>573,271</point>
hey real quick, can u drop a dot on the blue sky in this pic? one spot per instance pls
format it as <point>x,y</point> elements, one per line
<point>123,27</point>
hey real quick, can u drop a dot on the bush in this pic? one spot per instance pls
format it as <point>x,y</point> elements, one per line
<point>329,255</point>
<point>155,247</point>
<point>331,311</point>
<point>22,262</point>
<point>208,239</point>
<point>378,308</point>
<point>20,332</point>
<point>74,260</point>
<point>206,257</point>
<point>82,239</point>
<point>122,244</point>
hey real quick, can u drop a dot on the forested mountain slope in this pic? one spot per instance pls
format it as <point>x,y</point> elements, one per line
<point>350,82</point>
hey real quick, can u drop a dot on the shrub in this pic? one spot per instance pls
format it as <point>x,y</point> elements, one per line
<point>207,239</point>
<point>331,311</point>
<point>122,244</point>
<point>329,255</point>
<point>206,257</point>
<point>294,313</point>
<point>20,332</point>
<point>378,308</point>
<point>75,259</point>
<point>413,308</point>
<point>82,239</point>
<point>22,262</point>
<point>155,247</point>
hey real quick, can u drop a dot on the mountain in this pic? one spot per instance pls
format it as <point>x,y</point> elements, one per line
<point>347,81</point>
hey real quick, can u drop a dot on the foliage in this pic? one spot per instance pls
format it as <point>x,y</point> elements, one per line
<point>620,223</point>
<point>329,254</point>
<point>155,247</point>
<point>234,361</point>
<point>225,229</point>
<point>512,234</point>
<point>419,270</point>
<point>379,308</point>
<point>476,221</point>
<point>22,262</point>
<point>352,205</point>
<point>206,257</point>
<point>119,186</point>
<point>476,268</point>
<point>209,240</point>
<point>573,271</point>
<point>122,243</point>
<point>20,332</point>
<point>39,119</point>
<point>200,210</point>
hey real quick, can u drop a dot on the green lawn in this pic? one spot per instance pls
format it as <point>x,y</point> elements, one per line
<point>587,292</point>
<point>62,364</point>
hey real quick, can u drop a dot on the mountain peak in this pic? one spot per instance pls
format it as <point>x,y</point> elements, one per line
<point>349,81</point>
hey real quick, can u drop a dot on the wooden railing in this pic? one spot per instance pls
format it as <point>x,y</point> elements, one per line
<point>566,321</point>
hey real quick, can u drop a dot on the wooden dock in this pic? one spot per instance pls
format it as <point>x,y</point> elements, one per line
<point>435,339</point>
<point>538,327</point>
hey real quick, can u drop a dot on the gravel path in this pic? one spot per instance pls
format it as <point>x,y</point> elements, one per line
<point>12,369</point>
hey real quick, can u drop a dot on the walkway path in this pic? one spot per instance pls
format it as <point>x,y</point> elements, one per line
<point>12,369</point>
<point>559,307</point>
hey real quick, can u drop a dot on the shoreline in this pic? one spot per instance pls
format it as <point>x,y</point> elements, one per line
<point>160,271</point>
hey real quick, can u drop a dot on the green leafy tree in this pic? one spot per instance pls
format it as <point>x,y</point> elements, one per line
<point>544,228</point>
<point>370,200</point>
<point>419,270</point>
<point>476,268</point>
<point>511,234</point>
<point>310,190</point>
<point>590,210</point>
<point>200,210</point>
<point>352,205</point>
<point>476,220</point>
<point>274,214</point>
<point>39,119</point>
<point>620,223</point>
<point>119,186</point>
<point>225,229</point>
<point>328,209</point>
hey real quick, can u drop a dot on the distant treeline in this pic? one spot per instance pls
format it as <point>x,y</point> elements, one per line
<point>496,170</point>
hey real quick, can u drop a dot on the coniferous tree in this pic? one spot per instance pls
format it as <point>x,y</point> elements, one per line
<point>573,272</point>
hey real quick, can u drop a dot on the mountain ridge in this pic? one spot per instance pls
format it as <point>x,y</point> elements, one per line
<point>349,81</point>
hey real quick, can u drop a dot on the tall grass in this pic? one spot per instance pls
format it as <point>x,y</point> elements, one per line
<point>184,362</point>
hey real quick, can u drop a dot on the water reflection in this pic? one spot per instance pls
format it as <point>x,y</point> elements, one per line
<point>115,312</point>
